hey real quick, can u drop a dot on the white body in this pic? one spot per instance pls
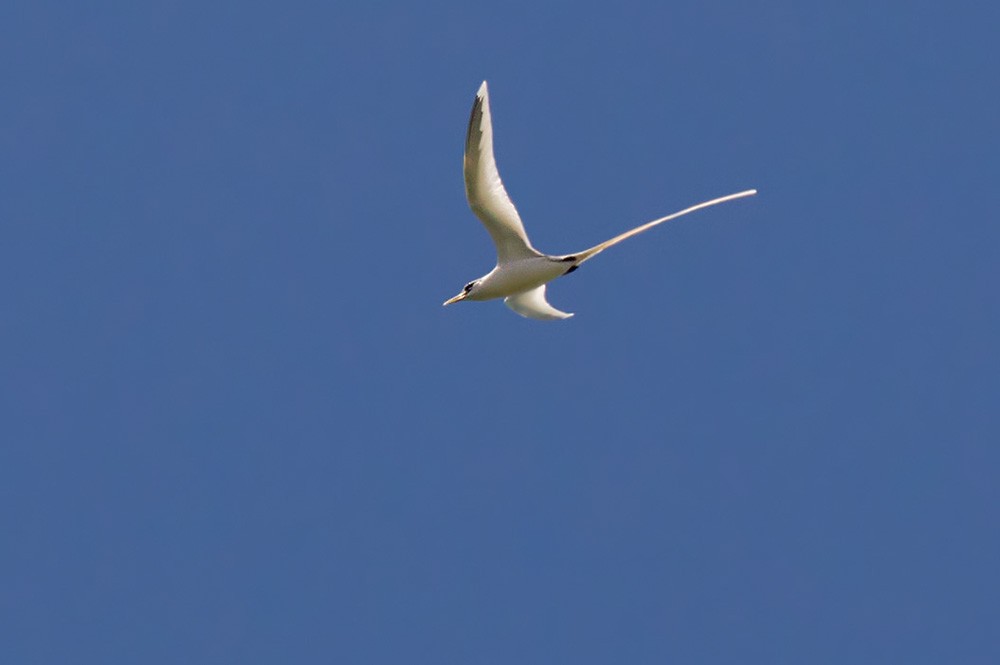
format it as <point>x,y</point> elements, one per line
<point>522,271</point>
<point>518,276</point>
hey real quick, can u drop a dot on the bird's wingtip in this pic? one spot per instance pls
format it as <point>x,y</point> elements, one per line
<point>482,90</point>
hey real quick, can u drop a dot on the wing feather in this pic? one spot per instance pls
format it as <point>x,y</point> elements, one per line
<point>533,305</point>
<point>484,189</point>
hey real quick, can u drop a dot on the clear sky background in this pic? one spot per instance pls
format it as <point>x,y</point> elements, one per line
<point>238,426</point>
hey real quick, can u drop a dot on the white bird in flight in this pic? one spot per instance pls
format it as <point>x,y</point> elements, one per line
<point>522,271</point>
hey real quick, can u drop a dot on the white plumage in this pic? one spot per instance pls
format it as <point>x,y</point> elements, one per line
<point>522,271</point>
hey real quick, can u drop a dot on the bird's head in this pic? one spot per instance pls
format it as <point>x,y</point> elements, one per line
<point>466,292</point>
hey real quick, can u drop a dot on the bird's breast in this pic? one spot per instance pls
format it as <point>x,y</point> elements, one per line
<point>517,277</point>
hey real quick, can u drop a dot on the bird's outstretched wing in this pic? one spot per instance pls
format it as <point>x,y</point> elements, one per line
<point>597,249</point>
<point>484,189</point>
<point>533,305</point>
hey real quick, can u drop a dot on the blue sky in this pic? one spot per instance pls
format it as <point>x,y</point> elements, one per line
<point>238,425</point>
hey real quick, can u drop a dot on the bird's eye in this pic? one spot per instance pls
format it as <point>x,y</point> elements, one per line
<point>468,287</point>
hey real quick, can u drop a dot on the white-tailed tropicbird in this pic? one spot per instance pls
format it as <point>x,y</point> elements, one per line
<point>522,271</point>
